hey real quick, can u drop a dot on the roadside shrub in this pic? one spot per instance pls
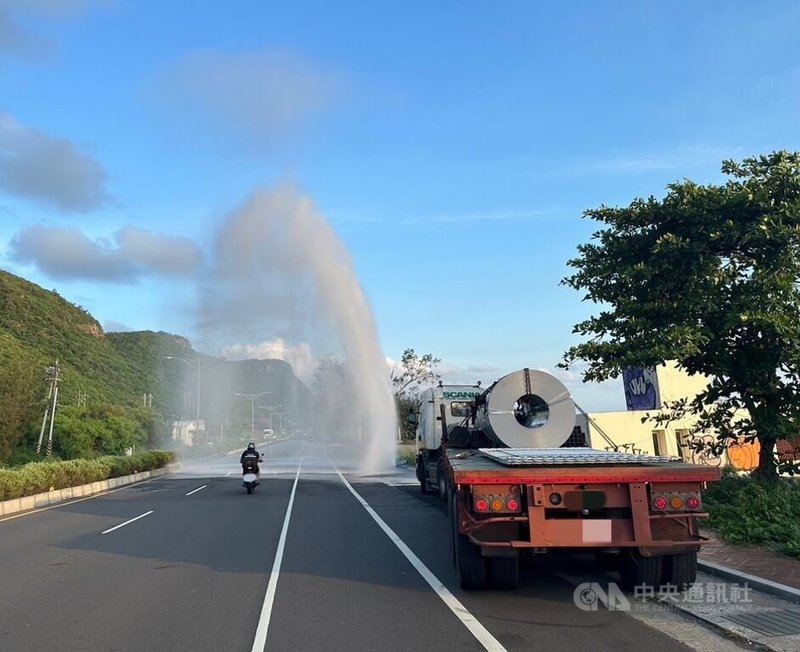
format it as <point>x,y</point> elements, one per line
<point>38,477</point>
<point>406,455</point>
<point>746,512</point>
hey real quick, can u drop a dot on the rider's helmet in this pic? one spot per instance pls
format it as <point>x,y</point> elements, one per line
<point>251,446</point>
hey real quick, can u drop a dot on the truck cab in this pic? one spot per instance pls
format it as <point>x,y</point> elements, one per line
<point>440,407</point>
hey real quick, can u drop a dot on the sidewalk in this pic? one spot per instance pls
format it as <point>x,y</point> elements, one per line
<point>752,560</point>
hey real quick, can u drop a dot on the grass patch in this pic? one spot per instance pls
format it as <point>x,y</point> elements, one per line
<point>38,477</point>
<point>747,512</point>
<point>406,454</point>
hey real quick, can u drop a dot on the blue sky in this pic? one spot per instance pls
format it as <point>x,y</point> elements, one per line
<point>451,146</point>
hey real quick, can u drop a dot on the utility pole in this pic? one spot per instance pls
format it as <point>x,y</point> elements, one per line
<point>52,378</point>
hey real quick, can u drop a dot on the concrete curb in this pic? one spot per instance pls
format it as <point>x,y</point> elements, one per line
<point>28,503</point>
<point>759,583</point>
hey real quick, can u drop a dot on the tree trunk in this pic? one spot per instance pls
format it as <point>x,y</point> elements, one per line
<point>766,470</point>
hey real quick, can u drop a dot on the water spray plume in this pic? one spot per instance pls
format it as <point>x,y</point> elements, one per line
<point>282,274</point>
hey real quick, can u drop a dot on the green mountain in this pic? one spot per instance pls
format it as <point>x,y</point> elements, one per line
<point>39,328</point>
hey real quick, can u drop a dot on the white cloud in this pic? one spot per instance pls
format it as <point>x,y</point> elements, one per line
<point>48,169</point>
<point>266,96</point>
<point>607,396</point>
<point>158,253</point>
<point>67,253</point>
<point>111,326</point>
<point>299,356</point>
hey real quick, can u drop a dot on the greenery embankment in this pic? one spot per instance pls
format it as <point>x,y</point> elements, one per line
<point>406,454</point>
<point>38,477</point>
<point>746,511</point>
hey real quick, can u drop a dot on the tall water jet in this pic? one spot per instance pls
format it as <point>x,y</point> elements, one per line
<point>281,274</point>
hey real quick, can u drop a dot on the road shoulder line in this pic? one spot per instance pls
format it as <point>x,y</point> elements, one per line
<point>469,621</point>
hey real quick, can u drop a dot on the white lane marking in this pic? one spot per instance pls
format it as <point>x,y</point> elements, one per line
<point>228,473</point>
<point>467,619</point>
<point>194,491</point>
<point>260,642</point>
<point>116,527</point>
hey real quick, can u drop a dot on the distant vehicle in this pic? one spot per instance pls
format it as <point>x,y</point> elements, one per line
<point>268,433</point>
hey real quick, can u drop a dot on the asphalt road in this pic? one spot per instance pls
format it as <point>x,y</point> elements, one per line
<point>196,570</point>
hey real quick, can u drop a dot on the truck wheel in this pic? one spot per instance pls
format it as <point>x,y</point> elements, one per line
<point>422,476</point>
<point>680,570</point>
<point>450,503</point>
<point>470,564</point>
<point>441,481</point>
<point>503,572</point>
<point>637,570</point>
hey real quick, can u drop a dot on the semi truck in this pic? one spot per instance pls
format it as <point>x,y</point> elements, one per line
<point>505,462</point>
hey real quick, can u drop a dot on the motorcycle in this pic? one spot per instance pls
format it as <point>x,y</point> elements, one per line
<point>250,475</point>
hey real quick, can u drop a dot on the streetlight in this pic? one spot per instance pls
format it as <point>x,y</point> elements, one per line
<point>252,398</point>
<point>270,408</point>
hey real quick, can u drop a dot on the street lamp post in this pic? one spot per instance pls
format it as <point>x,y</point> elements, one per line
<point>252,398</point>
<point>196,365</point>
<point>270,408</point>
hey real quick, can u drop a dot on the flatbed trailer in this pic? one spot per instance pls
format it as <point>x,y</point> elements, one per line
<point>639,512</point>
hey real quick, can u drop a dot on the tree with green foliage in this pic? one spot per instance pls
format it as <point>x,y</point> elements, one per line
<point>96,430</point>
<point>709,277</point>
<point>22,403</point>
<point>414,372</point>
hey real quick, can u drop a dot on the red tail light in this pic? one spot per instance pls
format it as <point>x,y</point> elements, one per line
<point>675,502</point>
<point>693,502</point>
<point>660,502</point>
<point>496,499</point>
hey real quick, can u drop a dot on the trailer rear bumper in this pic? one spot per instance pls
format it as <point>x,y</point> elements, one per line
<point>610,517</point>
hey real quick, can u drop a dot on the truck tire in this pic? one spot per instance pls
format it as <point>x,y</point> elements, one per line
<point>503,572</point>
<point>422,476</point>
<point>441,481</point>
<point>637,570</point>
<point>470,564</point>
<point>449,508</point>
<point>680,570</point>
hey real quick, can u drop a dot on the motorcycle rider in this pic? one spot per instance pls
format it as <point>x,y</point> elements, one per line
<point>250,458</point>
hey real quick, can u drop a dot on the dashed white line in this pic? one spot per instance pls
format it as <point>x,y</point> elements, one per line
<point>194,491</point>
<point>228,473</point>
<point>260,642</point>
<point>116,527</point>
<point>467,619</point>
